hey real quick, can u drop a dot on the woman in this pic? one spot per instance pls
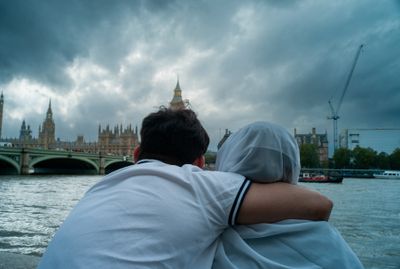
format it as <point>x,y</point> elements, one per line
<point>266,152</point>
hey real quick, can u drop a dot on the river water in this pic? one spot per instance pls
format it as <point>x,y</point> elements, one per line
<point>366,212</point>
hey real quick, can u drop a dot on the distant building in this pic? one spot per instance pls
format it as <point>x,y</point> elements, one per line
<point>25,139</point>
<point>117,141</point>
<point>79,145</point>
<point>319,140</point>
<point>47,136</point>
<point>25,134</point>
<point>1,111</point>
<point>381,140</point>
<point>177,102</point>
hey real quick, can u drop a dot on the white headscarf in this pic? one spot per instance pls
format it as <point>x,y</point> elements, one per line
<point>261,151</point>
<point>266,152</point>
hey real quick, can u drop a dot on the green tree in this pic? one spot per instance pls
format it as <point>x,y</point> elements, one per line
<point>394,159</point>
<point>342,158</point>
<point>210,157</point>
<point>309,156</point>
<point>364,158</point>
<point>383,161</point>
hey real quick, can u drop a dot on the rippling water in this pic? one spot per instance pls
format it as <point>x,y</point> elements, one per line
<point>366,212</point>
<point>33,207</point>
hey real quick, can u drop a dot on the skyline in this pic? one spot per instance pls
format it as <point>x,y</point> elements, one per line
<point>35,134</point>
<point>237,61</point>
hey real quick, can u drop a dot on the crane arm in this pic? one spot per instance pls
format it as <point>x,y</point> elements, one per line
<point>332,110</point>
<point>348,79</point>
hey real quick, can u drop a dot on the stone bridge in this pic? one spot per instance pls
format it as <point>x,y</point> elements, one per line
<point>24,161</point>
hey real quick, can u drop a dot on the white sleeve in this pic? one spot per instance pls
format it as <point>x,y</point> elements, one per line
<point>238,202</point>
<point>221,195</point>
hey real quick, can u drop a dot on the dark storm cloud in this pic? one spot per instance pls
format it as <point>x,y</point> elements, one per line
<point>316,52</point>
<point>39,38</point>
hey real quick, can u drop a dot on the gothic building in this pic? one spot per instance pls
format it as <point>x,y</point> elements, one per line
<point>25,134</point>
<point>117,141</point>
<point>319,140</point>
<point>47,131</point>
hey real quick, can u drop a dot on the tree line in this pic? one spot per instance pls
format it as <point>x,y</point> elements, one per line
<point>358,158</point>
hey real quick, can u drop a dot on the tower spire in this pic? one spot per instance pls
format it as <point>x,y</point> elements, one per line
<point>49,113</point>
<point>177,87</point>
<point>47,130</point>
<point>177,102</point>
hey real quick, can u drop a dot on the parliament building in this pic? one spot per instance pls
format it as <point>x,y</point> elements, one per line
<point>117,140</point>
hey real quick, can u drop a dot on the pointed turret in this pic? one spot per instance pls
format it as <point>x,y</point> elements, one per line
<point>177,102</point>
<point>25,133</point>
<point>49,113</point>
<point>47,137</point>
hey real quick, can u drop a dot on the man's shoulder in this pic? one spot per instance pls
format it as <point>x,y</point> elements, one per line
<point>212,173</point>
<point>187,173</point>
<point>223,179</point>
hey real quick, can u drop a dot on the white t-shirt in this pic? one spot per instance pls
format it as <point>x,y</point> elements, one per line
<point>149,215</point>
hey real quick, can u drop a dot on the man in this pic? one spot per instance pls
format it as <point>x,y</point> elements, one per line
<point>165,211</point>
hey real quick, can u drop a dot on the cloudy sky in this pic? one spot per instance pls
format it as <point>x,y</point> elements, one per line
<point>112,62</point>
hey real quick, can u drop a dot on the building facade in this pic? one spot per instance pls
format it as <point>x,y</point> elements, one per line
<point>381,140</point>
<point>319,140</point>
<point>117,141</point>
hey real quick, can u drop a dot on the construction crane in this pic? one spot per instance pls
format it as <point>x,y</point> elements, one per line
<point>335,112</point>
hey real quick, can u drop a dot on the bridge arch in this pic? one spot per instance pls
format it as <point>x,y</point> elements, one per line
<point>113,165</point>
<point>7,164</point>
<point>63,164</point>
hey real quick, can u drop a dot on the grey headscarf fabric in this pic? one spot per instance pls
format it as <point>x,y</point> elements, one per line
<point>266,152</point>
<point>261,151</point>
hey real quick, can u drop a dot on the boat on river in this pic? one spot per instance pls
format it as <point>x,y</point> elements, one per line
<point>320,178</point>
<point>390,174</point>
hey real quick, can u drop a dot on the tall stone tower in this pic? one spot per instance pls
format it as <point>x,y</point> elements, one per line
<point>1,111</point>
<point>177,102</point>
<point>47,130</point>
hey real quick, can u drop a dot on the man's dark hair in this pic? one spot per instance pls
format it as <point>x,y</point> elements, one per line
<point>173,136</point>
